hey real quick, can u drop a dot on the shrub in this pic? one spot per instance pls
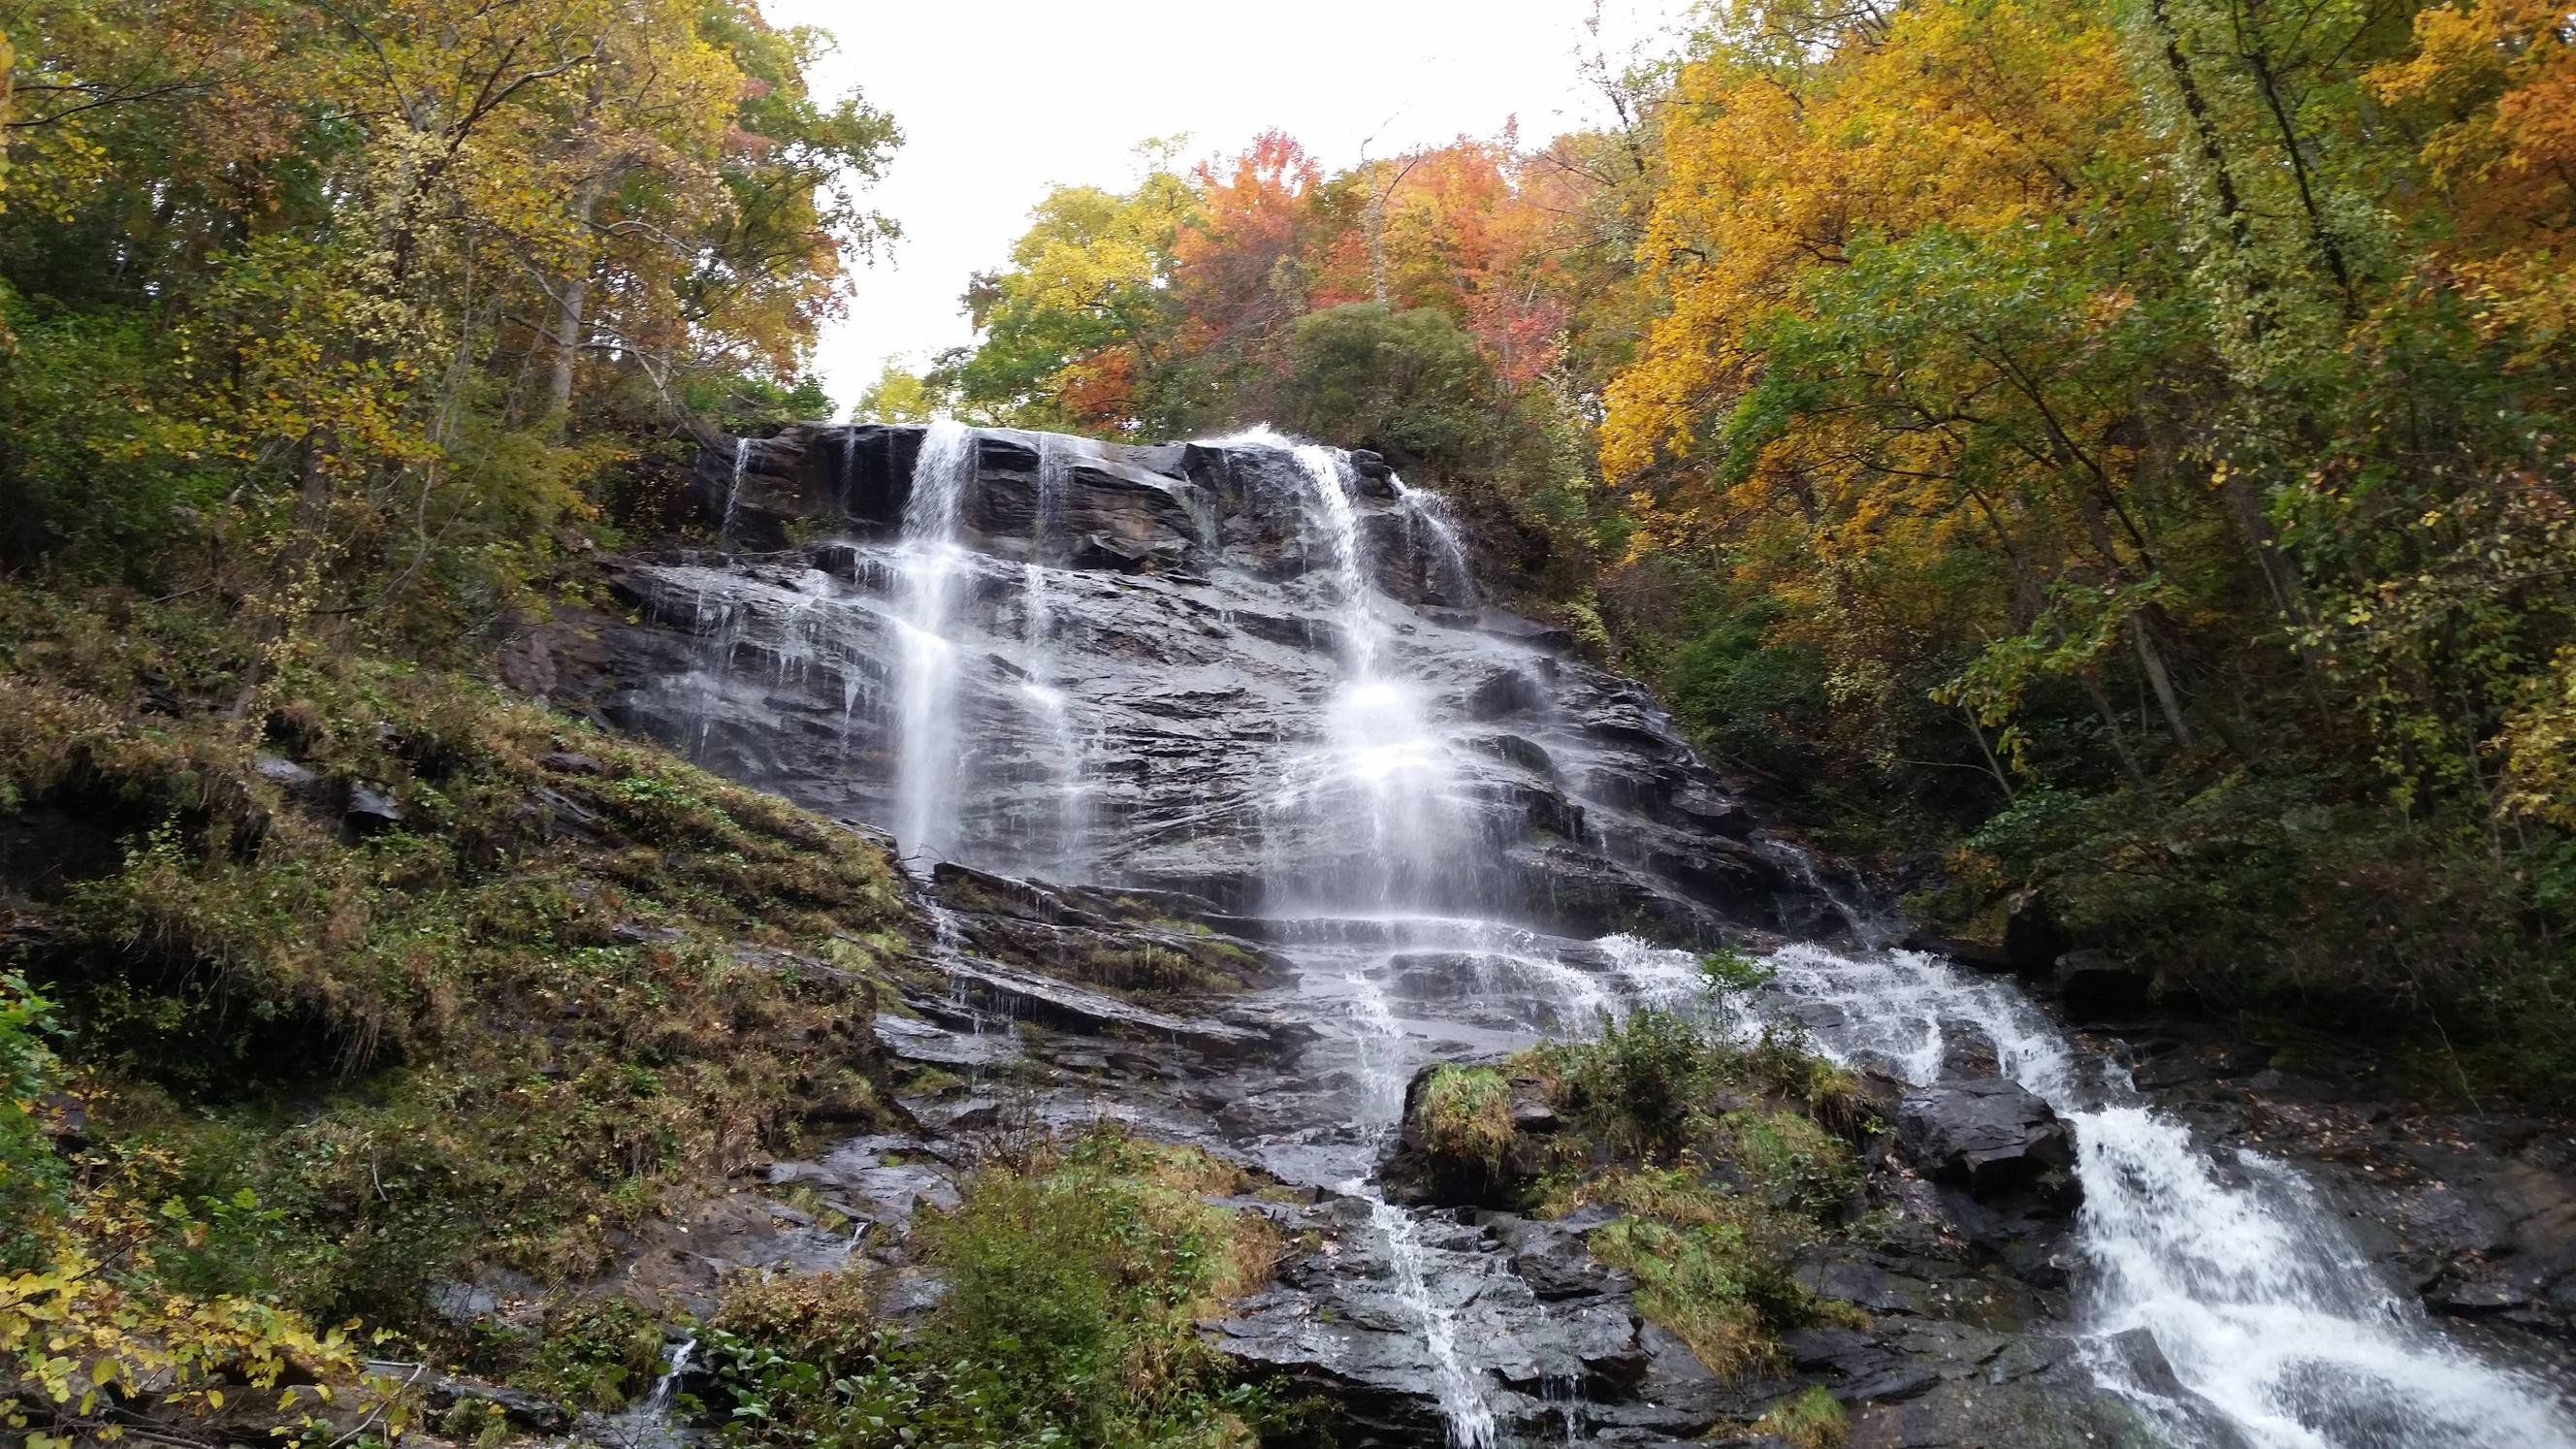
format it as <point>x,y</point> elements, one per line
<point>1812,1420</point>
<point>1074,1273</point>
<point>31,1177</point>
<point>1638,1086</point>
<point>1466,1114</point>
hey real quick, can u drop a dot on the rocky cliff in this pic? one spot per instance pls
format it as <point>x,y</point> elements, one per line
<point>1235,808</point>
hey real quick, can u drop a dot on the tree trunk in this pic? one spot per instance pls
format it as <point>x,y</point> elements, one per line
<point>569,310</point>
<point>2151,660</point>
<point>2111,726</point>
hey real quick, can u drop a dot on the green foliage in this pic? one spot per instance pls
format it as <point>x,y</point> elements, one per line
<point>1811,1420</point>
<point>1074,1274</point>
<point>2092,402</point>
<point>597,1354</point>
<point>1726,973</point>
<point>1641,1085</point>
<point>1407,382</point>
<point>1466,1114</point>
<point>495,1036</point>
<point>343,319</point>
<point>1727,1161</point>
<point>31,1178</point>
<point>1745,695</point>
<point>2257,887</point>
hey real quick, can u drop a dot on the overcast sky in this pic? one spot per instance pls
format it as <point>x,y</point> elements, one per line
<point>999,99</point>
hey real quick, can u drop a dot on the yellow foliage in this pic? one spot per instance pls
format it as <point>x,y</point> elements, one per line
<point>92,1321</point>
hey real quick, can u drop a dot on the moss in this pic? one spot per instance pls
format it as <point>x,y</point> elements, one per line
<point>1148,968</point>
<point>1812,1420</point>
<point>1466,1114</point>
<point>1727,1161</point>
<point>558,995</point>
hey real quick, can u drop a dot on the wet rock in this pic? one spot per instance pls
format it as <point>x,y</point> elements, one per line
<point>295,779</point>
<point>370,810</point>
<point>1416,1172</point>
<point>688,1261</point>
<point>2093,987</point>
<point>2033,940</point>
<point>1976,955</point>
<point>2475,1297</point>
<point>567,762</point>
<point>1505,692</point>
<point>1991,1136</point>
<point>1195,652</point>
<point>533,1412</point>
<point>495,1298</point>
<point>1554,1259</point>
<point>909,1039</point>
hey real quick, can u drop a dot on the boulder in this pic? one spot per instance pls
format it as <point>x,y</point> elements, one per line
<point>2094,988</point>
<point>370,810</point>
<point>2033,940</point>
<point>1989,1136</point>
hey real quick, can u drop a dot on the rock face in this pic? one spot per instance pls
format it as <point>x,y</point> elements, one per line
<point>1990,1136</point>
<point>1138,666</point>
<point>1233,807</point>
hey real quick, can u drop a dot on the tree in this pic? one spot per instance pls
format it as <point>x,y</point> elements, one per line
<point>1408,382</point>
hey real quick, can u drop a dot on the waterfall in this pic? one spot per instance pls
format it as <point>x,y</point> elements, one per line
<point>1383,774</point>
<point>1429,512</point>
<point>1386,1065</point>
<point>2252,1289</point>
<point>733,492</point>
<point>929,558</point>
<point>1359,774</point>
<point>1044,688</point>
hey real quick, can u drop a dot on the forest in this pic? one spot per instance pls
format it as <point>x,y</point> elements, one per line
<point>2099,466</point>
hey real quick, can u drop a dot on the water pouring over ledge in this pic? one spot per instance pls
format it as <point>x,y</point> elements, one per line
<point>1286,709</point>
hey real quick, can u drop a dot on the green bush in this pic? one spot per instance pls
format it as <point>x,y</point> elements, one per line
<point>1466,1114</point>
<point>1074,1276</point>
<point>31,1176</point>
<point>1812,1420</point>
<point>1408,382</point>
<point>1641,1085</point>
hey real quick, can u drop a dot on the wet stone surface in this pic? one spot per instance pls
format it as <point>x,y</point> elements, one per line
<point>1233,807</point>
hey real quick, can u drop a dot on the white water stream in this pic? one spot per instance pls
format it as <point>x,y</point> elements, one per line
<point>930,559</point>
<point>2261,1302</point>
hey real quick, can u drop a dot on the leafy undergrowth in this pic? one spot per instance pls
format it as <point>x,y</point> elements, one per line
<point>1726,1160</point>
<point>1812,1420</point>
<point>1467,1114</point>
<point>293,1062</point>
<point>1075,1270</point>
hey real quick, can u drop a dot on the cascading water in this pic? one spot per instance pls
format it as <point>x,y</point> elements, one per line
<point>1373,767</point>
<point>733,492</point>
<point>1044,688</point>
<point>2267,1312</point>
<point>1430,514</point>
<point>929,559</point>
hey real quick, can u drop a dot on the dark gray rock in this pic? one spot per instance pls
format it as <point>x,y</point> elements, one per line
<point>370,810</point>
<point>1194,635</point>
<point>1990,1136</point>
<point>2033,940</point>
<point>533,1412</point>
<point>287,775</point>
<point>2093,987</point>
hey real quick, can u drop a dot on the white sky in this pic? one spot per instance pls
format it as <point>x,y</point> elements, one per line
<point>1000,99</point>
